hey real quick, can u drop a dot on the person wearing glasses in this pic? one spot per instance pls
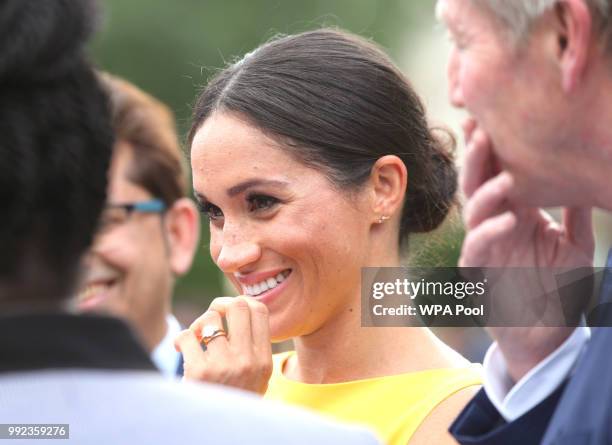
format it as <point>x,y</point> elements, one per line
<point>149,230</point>
<point>85,377</point>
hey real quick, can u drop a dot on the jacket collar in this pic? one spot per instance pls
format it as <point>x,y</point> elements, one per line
<point>64,341</point>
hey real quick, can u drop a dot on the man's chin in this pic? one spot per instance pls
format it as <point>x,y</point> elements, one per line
<point>540,194</point>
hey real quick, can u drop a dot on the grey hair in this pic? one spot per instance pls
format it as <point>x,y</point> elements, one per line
<point>519,14</point>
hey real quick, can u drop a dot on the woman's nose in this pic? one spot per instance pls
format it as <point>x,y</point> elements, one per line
<point>233,257</point>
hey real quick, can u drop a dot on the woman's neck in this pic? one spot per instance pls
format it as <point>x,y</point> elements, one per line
<point>342,351</point>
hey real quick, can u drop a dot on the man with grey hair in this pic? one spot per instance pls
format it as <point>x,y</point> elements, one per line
<point>536,78</point>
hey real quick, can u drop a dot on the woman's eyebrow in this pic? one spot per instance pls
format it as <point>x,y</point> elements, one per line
<point>239,188</point>
<point>199,197</point>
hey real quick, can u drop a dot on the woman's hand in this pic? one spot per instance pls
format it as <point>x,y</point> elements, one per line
<point>243,358</point>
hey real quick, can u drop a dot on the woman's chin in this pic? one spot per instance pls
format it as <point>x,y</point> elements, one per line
<point>277,340</point>
<point>279,335</point>
<point>280,332</point>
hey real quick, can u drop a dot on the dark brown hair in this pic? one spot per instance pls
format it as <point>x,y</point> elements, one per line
<point>338,103</point>
<point>147,126</point>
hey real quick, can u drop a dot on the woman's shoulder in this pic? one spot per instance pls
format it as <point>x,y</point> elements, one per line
<point>425,390</point>
<point>431,400</point>
<point>434,427</point>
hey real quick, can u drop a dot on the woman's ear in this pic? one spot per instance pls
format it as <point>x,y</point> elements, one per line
<point>182,225</point>
<point>388,181</point>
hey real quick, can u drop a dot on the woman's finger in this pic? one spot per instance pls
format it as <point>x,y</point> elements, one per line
<point>198,323</point>
<point>260,326</point>
<point>217,347</point>
<point>188,345</point>
<point>238,315</point>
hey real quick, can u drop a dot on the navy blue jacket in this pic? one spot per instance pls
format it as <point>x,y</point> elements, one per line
<point>577,413</point>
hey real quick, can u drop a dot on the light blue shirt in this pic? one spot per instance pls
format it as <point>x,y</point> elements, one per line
<point>164,356</point>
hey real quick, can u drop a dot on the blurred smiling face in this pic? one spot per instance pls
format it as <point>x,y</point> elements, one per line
<point>279,230</point>
<point>127,271</point>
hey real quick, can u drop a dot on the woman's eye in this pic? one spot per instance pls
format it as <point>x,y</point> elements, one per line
<point>261,202</point>
<point>211,211</point>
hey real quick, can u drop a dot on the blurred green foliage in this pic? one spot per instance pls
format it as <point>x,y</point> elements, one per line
<point>171,48</point>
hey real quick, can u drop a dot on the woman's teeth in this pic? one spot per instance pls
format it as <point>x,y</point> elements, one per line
<point>265,285</point>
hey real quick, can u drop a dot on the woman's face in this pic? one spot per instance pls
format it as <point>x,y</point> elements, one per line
<point>279,230</point>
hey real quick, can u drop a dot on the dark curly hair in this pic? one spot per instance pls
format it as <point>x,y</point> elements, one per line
<point>55,147</point>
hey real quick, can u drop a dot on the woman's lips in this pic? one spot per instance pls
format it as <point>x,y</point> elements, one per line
<point>267,296</point>
<point>256,284</point>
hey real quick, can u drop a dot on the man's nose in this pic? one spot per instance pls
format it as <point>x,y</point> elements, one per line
<point>99,244</point>
<point>455,92</point>
<point>105,242</point>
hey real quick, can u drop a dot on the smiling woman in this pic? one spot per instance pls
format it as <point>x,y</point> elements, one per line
<point>312,159</point>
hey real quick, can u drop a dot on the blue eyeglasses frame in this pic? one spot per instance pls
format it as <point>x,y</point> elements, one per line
<point>150,206</point>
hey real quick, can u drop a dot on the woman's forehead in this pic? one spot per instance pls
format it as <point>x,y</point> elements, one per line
<point>225,135</point>
<point>227,150</point>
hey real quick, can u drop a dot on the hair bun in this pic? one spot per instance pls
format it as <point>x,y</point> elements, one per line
<point>428,206</point>
<point>41,40</point>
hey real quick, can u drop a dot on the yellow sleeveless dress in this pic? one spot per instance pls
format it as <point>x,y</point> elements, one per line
<point>392,406</point>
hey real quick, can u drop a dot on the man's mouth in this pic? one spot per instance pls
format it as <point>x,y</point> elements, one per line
<point>267,284</point>
<point>94,293</point>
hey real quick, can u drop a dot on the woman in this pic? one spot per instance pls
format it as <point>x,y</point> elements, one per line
<point>312,159</point>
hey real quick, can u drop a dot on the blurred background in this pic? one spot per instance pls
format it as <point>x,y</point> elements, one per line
<point>170,49</point>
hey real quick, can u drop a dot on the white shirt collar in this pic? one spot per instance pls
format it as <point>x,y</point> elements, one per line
<point>164,356</point>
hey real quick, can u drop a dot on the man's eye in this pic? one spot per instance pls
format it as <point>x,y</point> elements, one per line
<point>111,218</point>
<point>456,41</point>
<point>261,202</point>
<point>211,211</point>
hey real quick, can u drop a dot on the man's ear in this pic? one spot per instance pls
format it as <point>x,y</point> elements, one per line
<point>182,225</point>
<point>388,181</point>
<point>574,33</point>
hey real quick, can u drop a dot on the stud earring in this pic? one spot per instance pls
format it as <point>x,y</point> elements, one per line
<point>383,218</point>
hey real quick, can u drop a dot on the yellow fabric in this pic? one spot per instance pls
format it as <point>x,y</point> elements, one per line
<point>393,406</point>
